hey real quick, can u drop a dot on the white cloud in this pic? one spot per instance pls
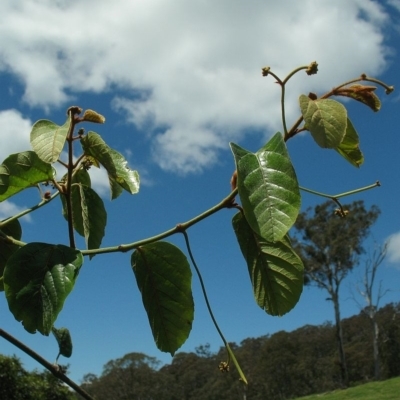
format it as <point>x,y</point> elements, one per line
<point>9,209</point>
<point>394,248</point>
<point>194,68</point>
<point>14,131</point>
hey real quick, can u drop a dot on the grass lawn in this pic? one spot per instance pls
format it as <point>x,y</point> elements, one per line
<point>384,390</point>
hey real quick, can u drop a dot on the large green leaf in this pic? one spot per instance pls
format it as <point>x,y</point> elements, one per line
<point>48,139</point>
<point>350,146</point>
<point>268,188</point>
<point>326,119</point>
<point>276,271</point>
<point>21,171</point>
<point>37,279</point>
<point>114,162</point>
<point>14,230</point>
<point>89,215</point>
<point>164,278</point>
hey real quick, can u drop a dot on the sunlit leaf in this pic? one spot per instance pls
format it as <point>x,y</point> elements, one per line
<point>114,162</point>
<point>48,139</point>
<point>21,171</point>
<point>362,93</point>
<point>37,280</point>
<point>14,230</point>
<point>164,278</point>
<point>350,146</point>
<point>89,215</point>
<point>276,272</point>
<point>326,119</point>
<point>64,341</point>
<point>268,188</point>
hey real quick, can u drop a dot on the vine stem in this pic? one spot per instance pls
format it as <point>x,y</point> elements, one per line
<point>203,288</point>
<point>283,85</point>
<point>53,368</point>
<point>29,210</point>
<point>70,169</point>
<point>227,202</point>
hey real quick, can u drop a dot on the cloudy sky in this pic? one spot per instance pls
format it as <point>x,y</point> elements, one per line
<point>177,81</point>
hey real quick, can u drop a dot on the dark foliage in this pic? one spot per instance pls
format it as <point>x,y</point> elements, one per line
<point>18,384</point>
<point>281,366</point>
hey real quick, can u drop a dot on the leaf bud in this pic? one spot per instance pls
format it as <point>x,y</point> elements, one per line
<point>223,366</point>
<point>312,68</point>
<point>389,89</point>
<point>74,110</point>
<point>265,71</point>
<point>93,116</point>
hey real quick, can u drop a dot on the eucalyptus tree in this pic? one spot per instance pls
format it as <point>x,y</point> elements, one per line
<point>330,242</point>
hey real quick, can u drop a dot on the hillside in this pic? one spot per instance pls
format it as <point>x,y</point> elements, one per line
<point>384,390</point>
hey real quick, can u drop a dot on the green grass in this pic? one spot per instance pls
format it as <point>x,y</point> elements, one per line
<point>384,390</point>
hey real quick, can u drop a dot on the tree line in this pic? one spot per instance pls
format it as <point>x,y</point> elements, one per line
<point>280,366</point>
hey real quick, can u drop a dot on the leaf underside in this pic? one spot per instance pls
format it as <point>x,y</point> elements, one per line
<point>350,146</point>
<point>164,278</point>
<point>21,171</point>
<point>48,139</point>
<point>119,173</point>
<point>326,119</point>
<point>37,280</point>
<point>276,271</point>
<point>89,216</point>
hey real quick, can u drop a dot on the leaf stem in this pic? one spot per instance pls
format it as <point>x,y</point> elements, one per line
<point>28,210</point>
<point>203,288</point>
<point>363,77</point>
<point>338,196</point>
<point>53,368</point>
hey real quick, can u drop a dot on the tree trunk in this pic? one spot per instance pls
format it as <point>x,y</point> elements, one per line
<point>339,338</point>
<point>375,330</point>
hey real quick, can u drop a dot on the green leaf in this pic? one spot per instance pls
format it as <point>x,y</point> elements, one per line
<point>37,280</point>
<point>114,162</point>
<point>115,188</point>
<point>164,278</point>
<point>350,146</point>
<point>64,341</point>
<point>14,230</point>
<point>268,188</point>
<point>89,216</point>
<point>276,271</point>
<point>83,177</point>
<point>48,139</point>
<point>326,119</point>
<point>21,171</point>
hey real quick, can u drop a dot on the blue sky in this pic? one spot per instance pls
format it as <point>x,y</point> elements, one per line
<point>177,81</point>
